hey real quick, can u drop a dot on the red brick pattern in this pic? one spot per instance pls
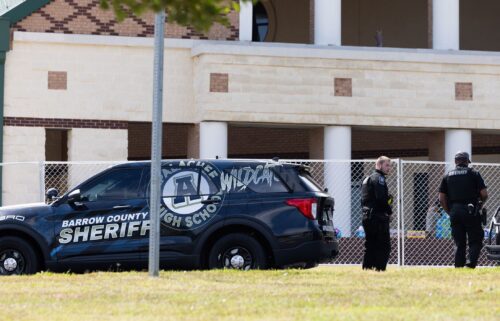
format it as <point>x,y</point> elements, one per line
<point>57,80</point>
<point>86,17</point>
<point>64,123</point>
<point>219,83</point>
<point>343,87</point>
<point>174,140</point>
<point>463,91</point>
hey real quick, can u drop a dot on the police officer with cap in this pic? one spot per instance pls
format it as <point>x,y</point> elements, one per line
<point>376,202</point>
<point>459,194</point>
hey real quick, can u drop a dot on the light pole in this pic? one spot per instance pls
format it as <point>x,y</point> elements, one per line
<point>156,137</point>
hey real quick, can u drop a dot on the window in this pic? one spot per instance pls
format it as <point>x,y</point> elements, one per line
<point>113,185</point>
<point>260,22</point>
<point>258,179</point>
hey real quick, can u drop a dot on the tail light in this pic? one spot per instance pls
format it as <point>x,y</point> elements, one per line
<point>307,206</point>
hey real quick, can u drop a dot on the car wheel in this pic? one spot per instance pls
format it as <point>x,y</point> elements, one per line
<point>310,265</point>
<point>17,257</point>
<point>237,251</point>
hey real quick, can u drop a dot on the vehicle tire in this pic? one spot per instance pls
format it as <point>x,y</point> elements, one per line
<point>310,265</point>
<point>17,257</point>
<point>237,251</point>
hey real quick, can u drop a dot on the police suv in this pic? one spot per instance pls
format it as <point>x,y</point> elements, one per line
<point>213,214</point>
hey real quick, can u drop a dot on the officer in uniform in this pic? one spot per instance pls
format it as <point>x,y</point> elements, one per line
<point>376,202</point>
<point>459,195</point>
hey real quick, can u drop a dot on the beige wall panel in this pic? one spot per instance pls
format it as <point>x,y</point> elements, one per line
<point>21,182</point>
<point>104,82</point>
<point>85,144</point>
<point>298,90</point>
<point>94,145</point>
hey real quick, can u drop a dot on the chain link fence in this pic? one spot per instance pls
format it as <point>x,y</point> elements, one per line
<point>426,227</point>
<point>420,230</point>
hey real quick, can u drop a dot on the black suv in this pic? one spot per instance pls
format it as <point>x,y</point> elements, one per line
<point>214,214</point>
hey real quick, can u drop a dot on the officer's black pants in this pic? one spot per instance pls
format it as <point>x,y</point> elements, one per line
<point>465,226</point>
<point>377,243</point>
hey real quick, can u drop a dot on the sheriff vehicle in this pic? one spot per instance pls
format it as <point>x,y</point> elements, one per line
<point>213,214</point>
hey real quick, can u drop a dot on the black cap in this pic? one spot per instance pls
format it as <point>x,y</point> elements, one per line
<point>462,156</point>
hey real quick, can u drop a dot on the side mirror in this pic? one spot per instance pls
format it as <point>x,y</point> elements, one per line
<point>74,196</point>
<point>51,194</point>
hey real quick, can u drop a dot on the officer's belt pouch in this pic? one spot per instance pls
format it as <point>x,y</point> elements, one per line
<point>367,212</point>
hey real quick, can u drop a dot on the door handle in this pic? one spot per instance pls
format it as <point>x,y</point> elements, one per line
<point>121,207</point>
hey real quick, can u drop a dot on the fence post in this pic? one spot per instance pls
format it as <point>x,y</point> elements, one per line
<point>398,180</point>
<point>401,216</point>
<point>41,168</point>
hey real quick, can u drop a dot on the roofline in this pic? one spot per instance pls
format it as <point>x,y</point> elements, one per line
<point>23,10</point>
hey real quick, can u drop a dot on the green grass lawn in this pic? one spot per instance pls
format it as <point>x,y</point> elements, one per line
<point>324,293</point>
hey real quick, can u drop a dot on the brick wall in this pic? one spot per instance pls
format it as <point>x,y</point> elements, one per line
<point>64,123</point>
<point>57,80</point>
<point>174,140</point>
<point>280,142</point>
<point>86,17</point>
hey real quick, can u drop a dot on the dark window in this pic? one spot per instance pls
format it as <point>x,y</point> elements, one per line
<point>309,181</point>
<point>116,184</point>
<point>258,179</point>
<point>56,150</point>
<point>260,23</point>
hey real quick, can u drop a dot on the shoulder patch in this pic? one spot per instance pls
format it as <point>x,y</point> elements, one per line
<point>381,180</point>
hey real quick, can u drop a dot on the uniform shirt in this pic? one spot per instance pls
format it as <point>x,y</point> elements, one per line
<point>375,193</point>
<point>462,185</point>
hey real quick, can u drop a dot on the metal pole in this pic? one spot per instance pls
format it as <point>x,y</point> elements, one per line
<point>400,199</point>
<point>154,202</point>
<point>401,214</point>
<point>41,171</point>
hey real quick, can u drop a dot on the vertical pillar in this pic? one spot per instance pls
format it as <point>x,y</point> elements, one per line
<point>457,140</point>
<point>445,24</point>
<point>213,140</point>
<point>246,20</point>
<point>327,22</point>
<point>337,140</point>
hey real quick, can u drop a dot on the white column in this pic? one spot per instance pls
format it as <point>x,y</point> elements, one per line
<point>213,140</point>
<point>327,22</point>
<point>445,24</point>
<point>338,174</point>
<point>457,140</point>
<point>246,20</point>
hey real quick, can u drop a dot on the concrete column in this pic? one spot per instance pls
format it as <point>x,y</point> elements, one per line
<point>337,140</point>
<point>445,24</point>
<point>246,21</point>
<point>457,140</point>
<point>213,140</point>
<point>327,22</point>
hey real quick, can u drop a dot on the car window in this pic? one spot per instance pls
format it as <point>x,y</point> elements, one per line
<point>120,183</point>
<point>256,178</point>
<point>310,182</point>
